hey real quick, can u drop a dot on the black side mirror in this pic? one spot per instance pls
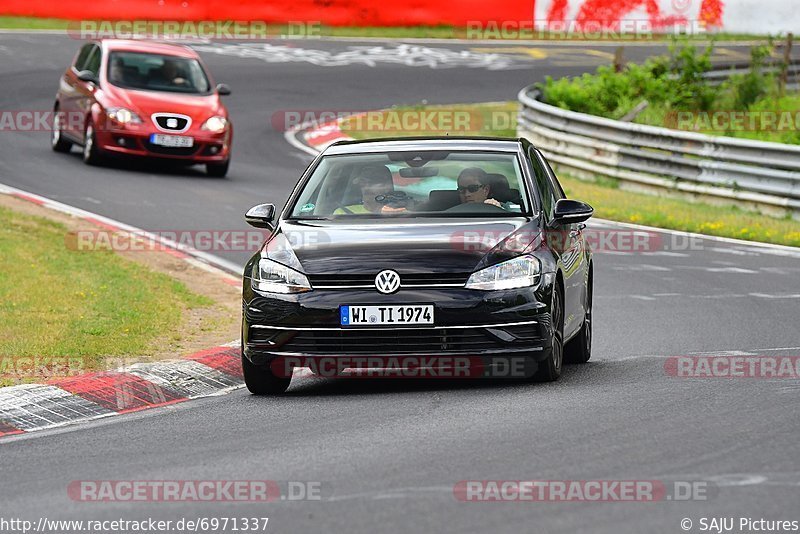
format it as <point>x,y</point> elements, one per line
<point>571,211</point>
<point>223,90</point>
<point>87,76</point>
<point>261,216</point>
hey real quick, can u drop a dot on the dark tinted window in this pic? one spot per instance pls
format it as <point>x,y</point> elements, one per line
<point>80,61</point>
<point>558,192</point>
<point>543,184</point>
<point>434,183</point>
<point>157,72</point>
<point>93,63</point>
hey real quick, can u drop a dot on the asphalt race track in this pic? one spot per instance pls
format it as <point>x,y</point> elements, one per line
<point>388,454</point>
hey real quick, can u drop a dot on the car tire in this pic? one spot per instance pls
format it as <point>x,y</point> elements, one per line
<point>550,368</point>
<point>57,141</point>
<point>579,349</point>
<point>260,380</point>
<point>91,152</point>
<point>218,170</point>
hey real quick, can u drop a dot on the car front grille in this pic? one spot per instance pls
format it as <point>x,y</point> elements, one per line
<point>378,341</point>
<point>417,279</point>
<point>171,122</point>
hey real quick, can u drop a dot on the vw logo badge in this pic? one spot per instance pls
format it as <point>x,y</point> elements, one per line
<point>387,282</point>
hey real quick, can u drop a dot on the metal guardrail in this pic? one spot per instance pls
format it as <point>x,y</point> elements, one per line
<point>753,173</point>
<point>720,73</point>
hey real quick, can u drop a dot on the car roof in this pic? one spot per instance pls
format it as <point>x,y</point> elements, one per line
<point>153,47</point>
<point>494,144</point>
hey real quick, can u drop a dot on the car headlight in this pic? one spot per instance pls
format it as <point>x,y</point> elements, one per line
<point>524,271</point>
<point>274,277</point>
<point>123,116</point>
<point>215,124</point>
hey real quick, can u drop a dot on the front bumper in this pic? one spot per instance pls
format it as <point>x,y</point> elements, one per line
<point>135,141</point>
<point>467,323</point>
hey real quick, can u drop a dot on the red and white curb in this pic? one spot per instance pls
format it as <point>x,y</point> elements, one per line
<point>141,386</point>
<point>313,138</point>
<point>325,135</point>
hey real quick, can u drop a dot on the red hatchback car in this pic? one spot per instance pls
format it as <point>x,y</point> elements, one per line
<point>141,98</point>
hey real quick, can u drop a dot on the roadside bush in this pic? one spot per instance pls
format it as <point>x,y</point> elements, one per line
<point>689,89</point>
<point>672,83</point>
<point>675,80</point>
<point>744,90</point>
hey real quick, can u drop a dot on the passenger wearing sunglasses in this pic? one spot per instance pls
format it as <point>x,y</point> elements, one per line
<point>473,187</point>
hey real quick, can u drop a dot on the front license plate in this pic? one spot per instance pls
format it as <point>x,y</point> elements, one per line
<point>391,314</point>
<point>172,141</point>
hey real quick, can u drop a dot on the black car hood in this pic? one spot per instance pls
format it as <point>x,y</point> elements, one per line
<point>408,246</point>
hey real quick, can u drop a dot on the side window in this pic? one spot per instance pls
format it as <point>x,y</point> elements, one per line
<point>543,184</point>
<point>93,63</point>
<point>83,55</point>
<point>559,193</point>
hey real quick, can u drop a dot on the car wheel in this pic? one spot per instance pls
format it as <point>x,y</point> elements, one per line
<point>579,350</point>
<point>91,152</point>
<point>57,141</point>
<point>218,170</point>
<point>260,380</point>
<point>550,368</point>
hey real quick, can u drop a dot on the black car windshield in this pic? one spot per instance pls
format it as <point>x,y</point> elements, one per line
<point>407,184</point>
<point>157,72</point>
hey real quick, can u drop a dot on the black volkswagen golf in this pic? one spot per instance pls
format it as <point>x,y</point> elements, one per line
<point>428,248</point>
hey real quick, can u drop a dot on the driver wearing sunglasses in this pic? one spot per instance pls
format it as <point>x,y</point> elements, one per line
<point>473,187</point>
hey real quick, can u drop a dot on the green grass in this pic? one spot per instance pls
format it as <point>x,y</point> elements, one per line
<point>398,32</point>
<point>619,205</point>
<point>786,107</point>
<point>32,23</point>
<point>611,202</point>
<point>85,306</point>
